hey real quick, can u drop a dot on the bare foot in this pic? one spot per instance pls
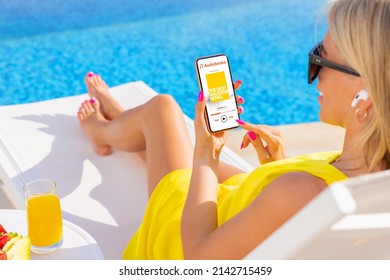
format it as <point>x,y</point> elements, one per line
<point>97,88</point>
<point>91,122</point>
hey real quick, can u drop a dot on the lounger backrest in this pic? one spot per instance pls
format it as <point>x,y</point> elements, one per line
<point>349,220</point>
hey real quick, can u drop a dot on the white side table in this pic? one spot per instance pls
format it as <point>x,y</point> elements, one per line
<point>77,243</point>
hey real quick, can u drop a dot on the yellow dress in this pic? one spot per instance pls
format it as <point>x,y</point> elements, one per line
<point>158,236</point>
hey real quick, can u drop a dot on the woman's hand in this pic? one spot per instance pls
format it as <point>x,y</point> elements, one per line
<point>239,99</point>
<point>206,141</point>
<point>266,140</point>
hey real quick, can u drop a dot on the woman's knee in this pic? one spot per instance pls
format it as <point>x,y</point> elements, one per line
<point>165,104</point>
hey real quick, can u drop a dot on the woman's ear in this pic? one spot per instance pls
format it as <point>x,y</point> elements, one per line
<point>361,95</point>
<point>362,103</point>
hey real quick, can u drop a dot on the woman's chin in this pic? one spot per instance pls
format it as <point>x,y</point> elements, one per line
<point>329,121</point>
<point>323,117</point>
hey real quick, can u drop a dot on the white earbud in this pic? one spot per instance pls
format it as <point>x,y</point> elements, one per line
<point>361,95</point>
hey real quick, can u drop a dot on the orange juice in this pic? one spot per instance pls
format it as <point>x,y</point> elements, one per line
<point>44,219</point>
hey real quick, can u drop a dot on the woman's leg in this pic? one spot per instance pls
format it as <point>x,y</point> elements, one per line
<point>225,171</point>
<point>157,127</point>
<point>156,130</point>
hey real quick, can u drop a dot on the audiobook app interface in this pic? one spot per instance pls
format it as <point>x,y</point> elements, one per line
<point>218,90</point>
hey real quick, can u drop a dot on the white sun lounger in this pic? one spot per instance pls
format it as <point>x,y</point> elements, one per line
<point>350,220</point>
<point>106,196</point>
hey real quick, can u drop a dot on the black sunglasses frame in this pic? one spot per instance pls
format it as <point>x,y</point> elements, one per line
<point>316,62</point>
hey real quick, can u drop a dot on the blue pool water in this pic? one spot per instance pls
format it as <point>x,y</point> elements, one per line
<point>47,46</point>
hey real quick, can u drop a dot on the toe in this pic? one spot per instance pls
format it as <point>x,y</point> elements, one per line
<point>94,102</point>
<point>80,114</point>
<point>88,107</point>
<point>90,74</point>
<point>99,80</point>
<point>88,79</point>
<point>84,109</point>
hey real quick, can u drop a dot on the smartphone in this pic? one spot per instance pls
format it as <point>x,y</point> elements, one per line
<point>215,80</point>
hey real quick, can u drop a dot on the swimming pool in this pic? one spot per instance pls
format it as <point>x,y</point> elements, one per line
<point>47,46</point>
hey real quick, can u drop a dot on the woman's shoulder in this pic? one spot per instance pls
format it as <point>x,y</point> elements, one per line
<point>299,183</point>
<point>290,192</point>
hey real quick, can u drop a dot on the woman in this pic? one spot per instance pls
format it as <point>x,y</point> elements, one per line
<point>190,213</point>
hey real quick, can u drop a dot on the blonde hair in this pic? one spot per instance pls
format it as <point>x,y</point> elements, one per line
<point>361,31</point>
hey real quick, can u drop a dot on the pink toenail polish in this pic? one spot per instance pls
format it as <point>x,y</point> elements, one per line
<point>90,74</point>
<point>92,100</point>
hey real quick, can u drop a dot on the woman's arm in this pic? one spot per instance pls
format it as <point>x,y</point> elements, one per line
<point>200,212</point>
<point>282,198</point>
<point>200,216</point>
<point>201,236</point>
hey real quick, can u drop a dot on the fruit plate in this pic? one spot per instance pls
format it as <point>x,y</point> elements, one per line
<point>77,243</point>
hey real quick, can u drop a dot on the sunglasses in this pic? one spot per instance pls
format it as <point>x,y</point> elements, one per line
<point>316,62</point>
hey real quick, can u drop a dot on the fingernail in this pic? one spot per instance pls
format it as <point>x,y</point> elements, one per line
<point>91,74</point>
<point>241,110</point>
<point>242,145</point>
<point>92,100</point>
<point>240,122</point>
<point>239,81</point>
<point>242,100</point>
<point>252,135</point>
<point>201,96</point>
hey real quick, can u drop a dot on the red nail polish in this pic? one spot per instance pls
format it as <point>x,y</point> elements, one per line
<point>240,122</point>
<point>242,145</point>
<point>92,100</point>
<point>252,135</point>
<point>239,81</point>
<point>200,96</point>
<point>90,74</point>
<point>241,100</point>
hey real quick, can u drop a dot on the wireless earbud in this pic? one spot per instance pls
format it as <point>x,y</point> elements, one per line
<point>361,95</point>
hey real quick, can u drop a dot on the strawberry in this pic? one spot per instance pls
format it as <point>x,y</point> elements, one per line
<point>3,240</point>
<point>3,255</point>
<point>2,230</point>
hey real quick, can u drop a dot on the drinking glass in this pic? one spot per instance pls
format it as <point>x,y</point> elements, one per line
<point>44,216</point>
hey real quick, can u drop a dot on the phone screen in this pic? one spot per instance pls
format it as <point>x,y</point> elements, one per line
<point>215,80</point>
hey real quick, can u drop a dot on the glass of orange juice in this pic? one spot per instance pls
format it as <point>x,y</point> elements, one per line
<point>44,216</point>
